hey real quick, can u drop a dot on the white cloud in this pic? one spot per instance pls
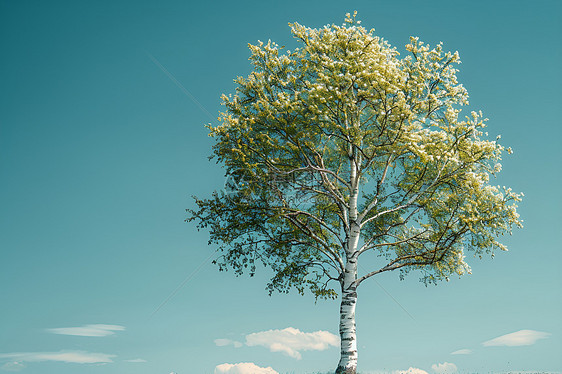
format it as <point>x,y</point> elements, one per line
<point>444,368</point>
<point>410,371</point>
<point>79,357</point>
<point>290,341</point>
<point>88,330</point>
<point>136,360</point>
<point>518,338</point>
<point>224,342</point>
<point>12,366</point>
<point>243,368</point>
<point>462,352</point>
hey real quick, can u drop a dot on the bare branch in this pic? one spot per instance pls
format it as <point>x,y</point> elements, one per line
<point>375,199</point>
<point>327,249</point>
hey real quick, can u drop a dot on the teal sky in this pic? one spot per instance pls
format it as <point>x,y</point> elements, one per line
<point>101,149</point>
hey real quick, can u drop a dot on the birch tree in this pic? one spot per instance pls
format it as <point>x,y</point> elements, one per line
<point>340,148</point>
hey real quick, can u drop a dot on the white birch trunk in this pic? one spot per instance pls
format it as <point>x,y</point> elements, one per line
<point>348,353</point>
<point>348,337</point>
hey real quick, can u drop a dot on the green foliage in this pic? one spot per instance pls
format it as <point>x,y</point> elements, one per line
<point>341,134</point>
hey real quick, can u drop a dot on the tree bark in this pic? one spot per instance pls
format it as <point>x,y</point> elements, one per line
<point>348,353</point>
<point>348,339</point>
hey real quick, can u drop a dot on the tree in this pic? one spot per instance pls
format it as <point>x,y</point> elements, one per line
<point>340,148</point>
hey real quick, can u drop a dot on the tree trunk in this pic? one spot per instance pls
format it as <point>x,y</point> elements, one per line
<point>348,358</point>
<point>348,345</point>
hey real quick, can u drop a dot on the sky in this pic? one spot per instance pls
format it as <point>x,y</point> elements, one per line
<point>102,144</point>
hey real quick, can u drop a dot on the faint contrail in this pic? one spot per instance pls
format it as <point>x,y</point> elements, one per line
<point>190,95</point>
<point>193,273</point>
<point>388,293</point>
<point>396,301</point>
<point>181,87</point>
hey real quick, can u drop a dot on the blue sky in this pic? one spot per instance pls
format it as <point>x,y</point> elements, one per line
<point>101,149</point>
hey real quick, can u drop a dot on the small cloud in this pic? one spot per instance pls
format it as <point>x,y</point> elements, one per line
<point>444,368</point>
<point>135,360</point>
<point>13,366</point>
<point>225,342</point>
<point>243,368</point>
<point>88,330</point>
<point>518,338</point>
<point>290,341</point>
<point>462,352</point>
<point>78,357</point>
<point>410,371</point>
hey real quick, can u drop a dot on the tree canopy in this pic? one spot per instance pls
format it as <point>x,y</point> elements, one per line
<point>341,115</point>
